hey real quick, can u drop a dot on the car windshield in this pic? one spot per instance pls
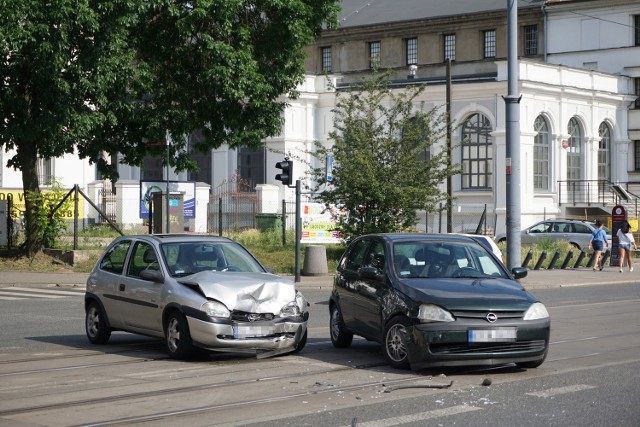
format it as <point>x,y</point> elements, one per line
<point>185,258</point>
<point>421,259</point>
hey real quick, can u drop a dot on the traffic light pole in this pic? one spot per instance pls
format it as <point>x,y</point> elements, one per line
<point>298,230</point>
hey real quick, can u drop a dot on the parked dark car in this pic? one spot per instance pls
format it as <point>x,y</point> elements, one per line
<point>193,291</point>
<point>436,300</point>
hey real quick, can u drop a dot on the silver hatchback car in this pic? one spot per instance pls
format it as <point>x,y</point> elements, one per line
<point>193,291</point>
<point>576,232</point>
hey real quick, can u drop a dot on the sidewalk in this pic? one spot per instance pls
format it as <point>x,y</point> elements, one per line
<point>536,279</point>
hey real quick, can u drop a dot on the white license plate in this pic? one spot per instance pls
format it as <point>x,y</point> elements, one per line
<point>251,331</point>
<point>493,335</point>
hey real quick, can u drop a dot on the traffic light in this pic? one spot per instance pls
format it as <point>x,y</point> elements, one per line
<point>287,171</point>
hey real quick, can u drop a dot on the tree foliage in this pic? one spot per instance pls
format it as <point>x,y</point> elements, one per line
<point>100,77</point>
<point>386,165</point>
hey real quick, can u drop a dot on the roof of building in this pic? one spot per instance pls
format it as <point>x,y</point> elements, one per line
<point>356,13</point>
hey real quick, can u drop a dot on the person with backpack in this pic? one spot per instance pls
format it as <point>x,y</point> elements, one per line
<point>625,241</point>
<point>598,242</point>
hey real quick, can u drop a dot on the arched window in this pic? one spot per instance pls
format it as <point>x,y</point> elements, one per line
<point>574,151</point>
<point>541,155</point>
<point>604,152</point>
<point>477,153</point>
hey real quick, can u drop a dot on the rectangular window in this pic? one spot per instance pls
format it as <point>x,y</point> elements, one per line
<point>412,51</point>
<point>530,40</point>
<point>374,54</point>
<point>326,59</point>
<point>450,47</point>
<point>490,44</point>
<point>636,23</point>
<point>636,155</point>
<point>637,82</point>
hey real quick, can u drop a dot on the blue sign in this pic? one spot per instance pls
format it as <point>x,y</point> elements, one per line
<point>329,169</point>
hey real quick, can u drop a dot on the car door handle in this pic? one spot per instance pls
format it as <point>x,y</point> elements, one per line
<point>121,286</point>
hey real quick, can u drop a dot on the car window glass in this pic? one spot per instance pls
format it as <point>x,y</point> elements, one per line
<point>143,258</point>
<point>375,257</point>
<point>539,228</point>
<point>186,258</point>
<point>582,228</point>
<point>113,259</point>
<point>356,256</point>
<point>485,263</point>
<point>557,227</point>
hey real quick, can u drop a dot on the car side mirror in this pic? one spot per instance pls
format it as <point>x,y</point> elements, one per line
<point>152,276</point>
<point>369,273</point>
<point>519,272</point>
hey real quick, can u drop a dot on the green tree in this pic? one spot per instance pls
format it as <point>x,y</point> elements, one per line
<point>385,164</point>
<point>100,77</point>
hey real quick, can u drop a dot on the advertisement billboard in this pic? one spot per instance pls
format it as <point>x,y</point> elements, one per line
<point>319,224</point>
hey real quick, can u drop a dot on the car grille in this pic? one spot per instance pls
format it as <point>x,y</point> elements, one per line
<point>243,316</point>
<point>520,346</point>
<point>482,314</point>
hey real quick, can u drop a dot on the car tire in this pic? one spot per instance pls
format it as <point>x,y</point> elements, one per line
<point>177,336</point>
<point>394,344</point>
<point>302,343</point>
<point>95,324</point>
<point>340,336</point>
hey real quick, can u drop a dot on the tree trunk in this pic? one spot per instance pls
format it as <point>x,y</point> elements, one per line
<point>28,157</point>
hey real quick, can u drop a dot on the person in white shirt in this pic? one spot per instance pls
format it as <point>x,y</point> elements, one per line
<point>625,242</point>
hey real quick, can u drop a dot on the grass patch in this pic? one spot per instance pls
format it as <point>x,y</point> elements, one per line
<point>268,249</point>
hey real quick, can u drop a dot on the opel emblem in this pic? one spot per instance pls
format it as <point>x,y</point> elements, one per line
<point>491,317</point>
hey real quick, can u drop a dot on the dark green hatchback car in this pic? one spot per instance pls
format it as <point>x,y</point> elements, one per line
<point>436,300</point>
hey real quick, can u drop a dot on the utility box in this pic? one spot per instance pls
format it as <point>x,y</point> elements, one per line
<point>176,213</point>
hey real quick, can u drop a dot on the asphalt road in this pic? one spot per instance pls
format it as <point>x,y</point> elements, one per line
<point>51,376</point>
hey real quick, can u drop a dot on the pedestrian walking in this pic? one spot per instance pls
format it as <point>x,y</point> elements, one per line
<point>597,243</point>
<point>625,242</point>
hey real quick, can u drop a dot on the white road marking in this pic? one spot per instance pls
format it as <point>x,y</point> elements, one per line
<point>30,295</point>
<point>561,390</point>
<point>48,291</point>
<point>437,413</point>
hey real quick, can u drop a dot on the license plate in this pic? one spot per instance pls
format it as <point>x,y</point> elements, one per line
<point>492,335</point>
<point>252,331</point>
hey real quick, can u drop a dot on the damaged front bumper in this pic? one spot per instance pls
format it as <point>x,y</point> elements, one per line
<point>263,338</point>
<point>440,344</point>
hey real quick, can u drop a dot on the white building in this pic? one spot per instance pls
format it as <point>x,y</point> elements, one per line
<point>579,77</point>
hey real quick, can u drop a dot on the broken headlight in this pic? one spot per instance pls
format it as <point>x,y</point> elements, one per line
<point>216,309</point>
<point>290,310</point>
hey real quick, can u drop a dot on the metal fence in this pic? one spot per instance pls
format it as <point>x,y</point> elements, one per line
<point>233,205</point>
<point>470,220</point>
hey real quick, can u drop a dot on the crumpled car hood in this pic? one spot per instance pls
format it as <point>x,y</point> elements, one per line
<point>249,292</point>
<point>468,294</point>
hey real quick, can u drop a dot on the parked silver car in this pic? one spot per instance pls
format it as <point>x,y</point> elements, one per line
<point>193,291</point>
<point>576,232</point>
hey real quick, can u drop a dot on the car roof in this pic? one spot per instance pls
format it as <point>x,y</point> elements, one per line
<point>176,238</point>
<point>399,237</point>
